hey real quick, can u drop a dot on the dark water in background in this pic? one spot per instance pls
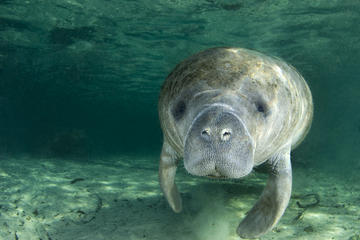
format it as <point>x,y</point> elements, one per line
<point>83,76</point>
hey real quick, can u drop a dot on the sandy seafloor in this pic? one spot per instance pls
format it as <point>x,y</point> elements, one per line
<point>118,198</point>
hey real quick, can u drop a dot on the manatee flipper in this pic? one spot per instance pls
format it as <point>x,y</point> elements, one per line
<point>167,171</point>
<point>273,201</point>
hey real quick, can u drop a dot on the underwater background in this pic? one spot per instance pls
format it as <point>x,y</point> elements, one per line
<point>79,84</point>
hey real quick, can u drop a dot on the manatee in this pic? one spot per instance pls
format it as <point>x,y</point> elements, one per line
<point>225,111</point>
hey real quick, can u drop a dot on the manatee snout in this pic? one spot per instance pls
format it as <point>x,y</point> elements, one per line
<point>218,144</point>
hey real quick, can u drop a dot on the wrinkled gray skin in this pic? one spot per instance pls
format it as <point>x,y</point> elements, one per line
<point>226,110</point>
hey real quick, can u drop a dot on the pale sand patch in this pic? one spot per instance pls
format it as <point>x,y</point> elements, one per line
<point>119,198</point>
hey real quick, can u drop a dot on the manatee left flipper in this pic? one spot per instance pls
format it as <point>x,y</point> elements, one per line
<point>273,201</point>
<point>167,171</point>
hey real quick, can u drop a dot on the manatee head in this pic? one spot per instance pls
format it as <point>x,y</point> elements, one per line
<point>214,127</point>
<point>222,104</point>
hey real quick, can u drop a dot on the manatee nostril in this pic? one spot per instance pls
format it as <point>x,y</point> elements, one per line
<point>225,134</point>
<point>206,134</point>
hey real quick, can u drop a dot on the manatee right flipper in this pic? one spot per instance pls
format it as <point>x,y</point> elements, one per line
<point>167,171</point>
<point>273,201</point>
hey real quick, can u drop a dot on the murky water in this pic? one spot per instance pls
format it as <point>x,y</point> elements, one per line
<point>79,81</point>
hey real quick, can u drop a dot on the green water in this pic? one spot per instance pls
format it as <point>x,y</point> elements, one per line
<point>97,66</point>
<point>81,78</point>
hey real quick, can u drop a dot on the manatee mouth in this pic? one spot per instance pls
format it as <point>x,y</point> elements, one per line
<point>218,145</point>
<point>216,176</point>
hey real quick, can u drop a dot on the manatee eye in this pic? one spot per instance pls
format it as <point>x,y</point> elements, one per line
<point>262,108</point>
<point>179,110</point>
